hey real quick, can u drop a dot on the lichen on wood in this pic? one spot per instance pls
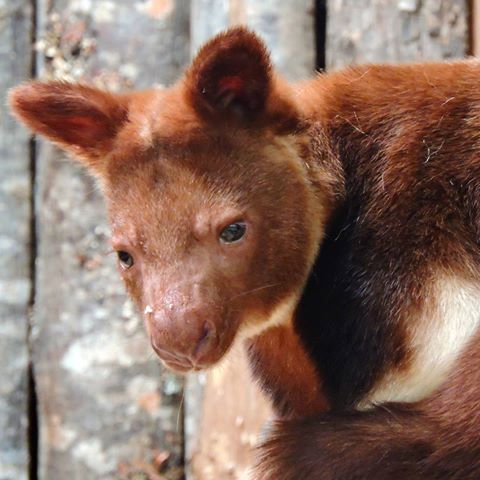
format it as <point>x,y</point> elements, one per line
<point>360,31</point>
<point>15,253</point>
<point>107,408</point>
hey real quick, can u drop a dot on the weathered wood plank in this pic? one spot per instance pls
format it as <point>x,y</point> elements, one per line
<point>360,31</point>
<point>209,17</point>
<point>15,284</point>
<point>475,25</point>
<point>224,408</point>
<point>288,28</point>
<point>224,417</point>
<point>106,407</point>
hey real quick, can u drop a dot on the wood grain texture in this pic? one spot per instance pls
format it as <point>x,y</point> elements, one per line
<point>225,414</point>
<point>106,406</point>
<point>475,26</point>
<point>209,17</point>
<point>288,28</point>
<point>15,255</point>
<point>360,31</point>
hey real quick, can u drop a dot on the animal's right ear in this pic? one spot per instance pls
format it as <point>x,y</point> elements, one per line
<point>231,80</point>
<point>80,119</point>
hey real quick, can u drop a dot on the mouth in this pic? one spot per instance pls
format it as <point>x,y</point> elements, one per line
<point>183,367</point>
<point>177,362</point>
<point>177,366</point>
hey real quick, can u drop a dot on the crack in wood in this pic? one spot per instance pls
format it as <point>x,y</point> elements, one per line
<point>32,415</point>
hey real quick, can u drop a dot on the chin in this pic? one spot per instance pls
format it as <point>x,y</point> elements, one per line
<point>186,366</point>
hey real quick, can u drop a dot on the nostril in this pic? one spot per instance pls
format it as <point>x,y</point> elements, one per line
<point>206,332</point>
<point>206,339</point>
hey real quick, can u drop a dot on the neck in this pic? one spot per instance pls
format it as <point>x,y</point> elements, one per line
<point>286,373</point>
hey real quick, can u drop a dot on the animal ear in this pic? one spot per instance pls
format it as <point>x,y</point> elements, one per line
<point>80,119</point>
<point>231,77</point>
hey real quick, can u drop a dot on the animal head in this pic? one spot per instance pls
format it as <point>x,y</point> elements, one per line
<point>212,211</point>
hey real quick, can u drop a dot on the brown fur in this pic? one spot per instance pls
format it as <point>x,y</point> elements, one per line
<point>358,277</point>
<point>292,382</point>
<point>434,439</point>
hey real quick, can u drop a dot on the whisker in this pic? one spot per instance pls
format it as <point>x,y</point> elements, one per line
<point>151,355</point>
<point>152,351</point>
<point>253,290</point>
<point>180,409</point>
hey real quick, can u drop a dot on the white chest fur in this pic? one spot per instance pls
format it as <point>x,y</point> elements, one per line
<point>437,336</point>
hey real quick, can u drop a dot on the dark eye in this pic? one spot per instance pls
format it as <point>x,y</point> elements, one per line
<point>125,259</point>
<point>233,233</point>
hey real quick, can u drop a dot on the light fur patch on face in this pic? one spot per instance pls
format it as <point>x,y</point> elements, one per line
<point>145,129</point>
<point>282,315</point>
<point>144,118</point>
<point>437,339</point>
<point>315,210</point>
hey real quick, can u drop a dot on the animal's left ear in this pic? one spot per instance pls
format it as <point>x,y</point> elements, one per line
<point>231,79</point>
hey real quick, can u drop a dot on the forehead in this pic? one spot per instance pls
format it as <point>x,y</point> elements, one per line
<point>199,166</point>
<point>168,166</point>
<point>165,191</point>
<point>166,183</point>
<point>164,153</point>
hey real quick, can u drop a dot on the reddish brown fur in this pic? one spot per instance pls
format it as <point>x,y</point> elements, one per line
<point>435,439</point>
<point>61,112</point>
<point>361,194</point>
<point>259,98</point>
<point>292,383</point>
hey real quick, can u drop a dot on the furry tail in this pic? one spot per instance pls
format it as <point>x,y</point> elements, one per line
<point>388,443</point>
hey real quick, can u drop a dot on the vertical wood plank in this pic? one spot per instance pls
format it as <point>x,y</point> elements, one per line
<point>225,411</point>
<point>15,256</point>
<point>224,408</point>
<point>288,28</point>
<point>475,26</point>
<point>361,31</point>
<point>209,17</point>
<point>106,407</point>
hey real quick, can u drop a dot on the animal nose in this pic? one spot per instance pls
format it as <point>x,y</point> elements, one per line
<point>182,337</point>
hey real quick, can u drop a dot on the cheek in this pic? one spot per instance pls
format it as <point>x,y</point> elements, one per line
<point>251,283</point>
<point>275,272</point>
<point>133,284</point>
<point>234,262</point>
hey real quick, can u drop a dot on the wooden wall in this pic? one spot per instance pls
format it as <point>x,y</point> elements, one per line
<point>95,403</point>
<point>475,27</point>
<point>104,402</point>
<point>16,26</point>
